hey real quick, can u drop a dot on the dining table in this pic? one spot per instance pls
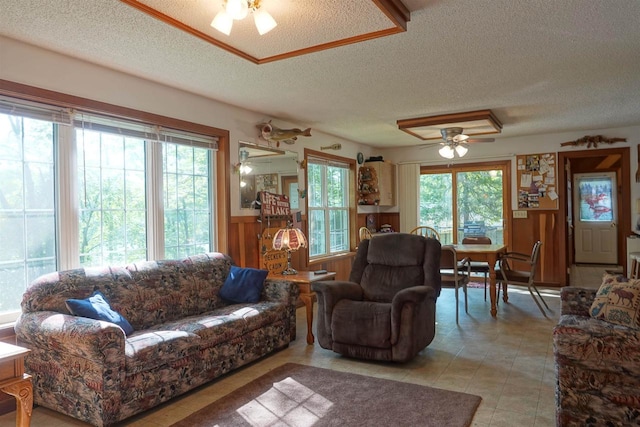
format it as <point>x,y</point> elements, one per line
<point>489,254</point>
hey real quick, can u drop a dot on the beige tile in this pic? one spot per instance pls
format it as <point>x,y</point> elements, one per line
<point>502,418</point>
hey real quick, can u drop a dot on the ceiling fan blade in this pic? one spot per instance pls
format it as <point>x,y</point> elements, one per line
<point>460,138</point>
<point>423,146</point>
<point>472,140</point>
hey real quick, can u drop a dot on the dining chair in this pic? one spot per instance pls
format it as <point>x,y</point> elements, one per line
<point>364,233</point>
<point>455,273</point>
<point>634,270</point>
<point>479,266</point>
<point>522,277</point>
<point>426,232</point>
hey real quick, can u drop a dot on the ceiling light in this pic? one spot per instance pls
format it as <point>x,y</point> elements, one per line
<point>264,21</point>
<point>449,150</point>
<point>223,22</point>
<point>461,150</point>
<point>446,151</point>
<point>239,9</point>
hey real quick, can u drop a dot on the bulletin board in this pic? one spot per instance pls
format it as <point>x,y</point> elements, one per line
<point>537,181</point>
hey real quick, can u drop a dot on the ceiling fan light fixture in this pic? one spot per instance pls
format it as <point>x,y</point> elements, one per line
<point>461,150</point>
<point>237,9</point>
<point>446,151</point>
<point>264,21</point>
<point>223,22</point>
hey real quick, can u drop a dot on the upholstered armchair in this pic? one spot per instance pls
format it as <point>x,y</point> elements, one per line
<point>386,311</point>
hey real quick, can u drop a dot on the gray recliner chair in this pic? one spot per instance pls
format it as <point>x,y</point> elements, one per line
<point>387,309</point>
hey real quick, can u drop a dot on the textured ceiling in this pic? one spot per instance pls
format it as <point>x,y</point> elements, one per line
<point>355,17</point>
<point>541,66</point>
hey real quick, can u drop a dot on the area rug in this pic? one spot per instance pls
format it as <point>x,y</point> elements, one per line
<point>297,395</point>
<point>476,285</point>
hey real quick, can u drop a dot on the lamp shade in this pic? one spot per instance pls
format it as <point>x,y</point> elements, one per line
<point>289,239</point>
<point>446,151</point>
<point>461,150</point>
<point>264,21</point>
<point>222,22</point>
<point>237,9</point>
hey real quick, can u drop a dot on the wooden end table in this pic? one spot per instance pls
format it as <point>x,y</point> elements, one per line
<point>15,382</point>
<point>304,279</point>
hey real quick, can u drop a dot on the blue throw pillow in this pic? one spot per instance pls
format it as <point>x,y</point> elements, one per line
<point>243,285</point>
<point>97,307</point>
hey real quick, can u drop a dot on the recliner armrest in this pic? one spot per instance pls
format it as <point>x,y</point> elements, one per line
<point>329,293</point>
<point>338,289</point>
<point>414,294</point>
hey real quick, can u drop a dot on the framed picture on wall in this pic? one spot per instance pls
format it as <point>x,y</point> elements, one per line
<point>267,182</point>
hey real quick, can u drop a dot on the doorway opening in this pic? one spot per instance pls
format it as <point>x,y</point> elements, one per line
<point>613,162</point>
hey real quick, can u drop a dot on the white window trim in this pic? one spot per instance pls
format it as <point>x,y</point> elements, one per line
<point>326,209</point>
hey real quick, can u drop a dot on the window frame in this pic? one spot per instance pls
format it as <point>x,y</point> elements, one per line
<point>351,201</point>
<point>503,165</point>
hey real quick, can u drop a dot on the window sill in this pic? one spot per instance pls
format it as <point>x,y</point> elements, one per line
<point>331,258</point>
<point>7,331</point>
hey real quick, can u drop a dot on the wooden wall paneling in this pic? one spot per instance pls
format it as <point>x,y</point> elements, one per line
<point>341,265</point>
<point>392,218</point>
<point>243,241</point>
<point>543,226</point>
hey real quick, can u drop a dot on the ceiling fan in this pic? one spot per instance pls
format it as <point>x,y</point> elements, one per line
<point>454,141</point>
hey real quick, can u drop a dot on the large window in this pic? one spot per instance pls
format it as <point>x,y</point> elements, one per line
<point>112,199</point>
<point>328,206</point>
<point>464,201</point>
<point>27,206</point>
<point>187,200</point>
<point>81,189</point>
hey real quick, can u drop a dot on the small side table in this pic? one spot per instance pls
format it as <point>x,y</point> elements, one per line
<point>304,279</point>
<point>15,382</point>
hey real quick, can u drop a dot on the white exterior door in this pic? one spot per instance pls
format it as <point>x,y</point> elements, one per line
<point>595,218</point>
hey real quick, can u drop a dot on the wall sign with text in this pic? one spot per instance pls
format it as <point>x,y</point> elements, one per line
<point>274,205</point>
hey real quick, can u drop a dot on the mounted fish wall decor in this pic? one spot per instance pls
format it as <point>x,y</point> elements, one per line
<point>273,134</point>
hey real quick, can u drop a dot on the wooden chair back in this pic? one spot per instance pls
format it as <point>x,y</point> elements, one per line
<point>364,233</point>
<point>426,232</point>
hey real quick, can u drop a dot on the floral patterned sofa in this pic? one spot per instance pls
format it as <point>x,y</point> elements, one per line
<point>184,334</point>
<point>597,361</point>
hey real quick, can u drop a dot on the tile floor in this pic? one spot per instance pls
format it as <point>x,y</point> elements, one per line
<point>508,360</point>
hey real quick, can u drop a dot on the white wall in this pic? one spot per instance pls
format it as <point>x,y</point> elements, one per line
<point>31,65</point>
<point>508,148</point>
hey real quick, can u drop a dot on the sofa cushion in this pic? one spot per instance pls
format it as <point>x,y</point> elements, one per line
<point>243,285</point>
<point>618,301</point>
<point>229,322</point>
<point>146,350</point>
<point>97,307</point>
